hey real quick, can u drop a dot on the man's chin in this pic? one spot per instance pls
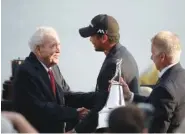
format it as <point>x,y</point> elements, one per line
<point>55,62</point>
<point>99,50</point>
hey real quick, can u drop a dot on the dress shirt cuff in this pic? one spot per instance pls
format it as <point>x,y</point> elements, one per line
<point>73,131</point>
<point>131,97</point>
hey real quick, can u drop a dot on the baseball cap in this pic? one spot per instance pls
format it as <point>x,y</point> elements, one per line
<point>101,24</point>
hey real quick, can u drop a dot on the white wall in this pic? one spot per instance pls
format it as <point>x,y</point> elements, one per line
<point>139,20</point>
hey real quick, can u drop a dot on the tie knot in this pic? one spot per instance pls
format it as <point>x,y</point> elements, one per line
<point>50,71</point>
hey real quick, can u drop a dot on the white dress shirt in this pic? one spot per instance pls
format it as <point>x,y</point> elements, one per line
<point>165,69</point>
<point>47,69</point>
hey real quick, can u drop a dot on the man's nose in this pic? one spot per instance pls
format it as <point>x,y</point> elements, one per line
<point>58,48</point>
<point>151,57</point>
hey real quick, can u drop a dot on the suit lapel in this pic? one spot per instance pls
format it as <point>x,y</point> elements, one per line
<point>59,88</point>
<point>43,74</point>
<point>59,95</point>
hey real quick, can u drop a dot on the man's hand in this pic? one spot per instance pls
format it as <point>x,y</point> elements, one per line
<point>126,91</point>
<point>82,112</point>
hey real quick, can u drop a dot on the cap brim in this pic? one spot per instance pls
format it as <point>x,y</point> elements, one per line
<point>87,31</point>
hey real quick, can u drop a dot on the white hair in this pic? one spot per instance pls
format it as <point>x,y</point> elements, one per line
<point>169,43</point>
<point>38,37</point>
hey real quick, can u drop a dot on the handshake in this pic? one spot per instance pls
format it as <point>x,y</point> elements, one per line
<point>82,112</point>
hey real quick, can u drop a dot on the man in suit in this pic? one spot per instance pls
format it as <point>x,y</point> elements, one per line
<point>104,35</point>
<point>168,95</point>
<point>40,91</point>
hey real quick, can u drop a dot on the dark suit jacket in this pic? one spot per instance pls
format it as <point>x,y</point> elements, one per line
<point>168,98</point>
<point>33,97</point>
<point>129,73</point>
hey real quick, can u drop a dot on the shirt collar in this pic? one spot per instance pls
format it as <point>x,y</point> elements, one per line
<point>165,69</point>
<point>47,69</point>
<point>116,46</point>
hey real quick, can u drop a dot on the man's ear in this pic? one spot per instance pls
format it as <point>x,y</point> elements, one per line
<point>104,38</point>
<point>37,50</point>
<point>163,56</point>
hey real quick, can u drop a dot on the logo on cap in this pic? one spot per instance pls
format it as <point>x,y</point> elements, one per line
<point>100,31</point>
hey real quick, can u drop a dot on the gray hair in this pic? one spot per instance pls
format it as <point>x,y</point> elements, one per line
<point>38,37</point>
<point>169,43</point>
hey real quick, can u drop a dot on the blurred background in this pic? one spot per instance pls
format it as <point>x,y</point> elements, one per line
<point>139,21</point>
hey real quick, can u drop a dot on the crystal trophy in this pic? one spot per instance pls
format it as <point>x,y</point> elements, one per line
<point>115,98</point>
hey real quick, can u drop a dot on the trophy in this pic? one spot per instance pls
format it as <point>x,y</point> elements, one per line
<point>115,98</point>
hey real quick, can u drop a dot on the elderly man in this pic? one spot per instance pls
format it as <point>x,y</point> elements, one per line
<point>41,93</point>
<point>168,95</point>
